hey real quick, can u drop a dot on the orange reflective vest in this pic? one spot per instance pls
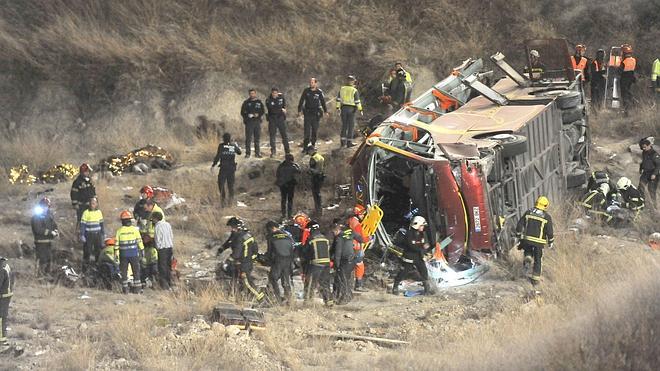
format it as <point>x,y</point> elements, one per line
<point>582,65</point>
<point>355,225</point>
<point>628,64</point>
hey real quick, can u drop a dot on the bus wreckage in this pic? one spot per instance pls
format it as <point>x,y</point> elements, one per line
<point>471,158</point>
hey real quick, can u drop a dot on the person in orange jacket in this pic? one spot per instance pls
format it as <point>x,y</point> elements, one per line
<point>627,71</point>
<point>580,62</point>
<point>354,222</point>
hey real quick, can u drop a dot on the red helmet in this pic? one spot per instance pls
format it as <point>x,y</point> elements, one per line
<point>125,215</point>
<point>359,209</point>
<point>85,167</point>
<point>301,219</point>
<point>147,190</point>
<point>44,202</point>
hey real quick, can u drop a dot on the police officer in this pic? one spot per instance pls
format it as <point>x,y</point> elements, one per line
<point>312,106</point>
<point>317,262</point>
<point>244,250</point>
<point>226,156</point>
<point>348,101</point>
<point>534,230</point>
<point>415,247</point>
<point>649,170</point>
<point>131,251</point>
<point>92,233</point>
<point>6,292</point>
<point>44,230</point>
<point>252,110</point>
<point>317,171</point>
<point>82,190</point>
<point>276,105</point>
<point>286,178</point>
<point>343,257</point>
<point>280,255</point>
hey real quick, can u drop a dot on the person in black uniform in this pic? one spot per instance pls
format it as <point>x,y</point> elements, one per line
<point>343,256</point>
<point>317,262</point>
<point>535,231</point>
<point>287,174</point>
<point>276,105</point>
<point>252,110</point>
<point>44,230</point>
<point>82,190</point>
<point>312,106</point>
<point>244,250</point>
<point>598,69</point>
<point>226,156</point>
<point>6,292</point>
<point>649,170</point>
<point>415,247</point>
<point>280,255</point>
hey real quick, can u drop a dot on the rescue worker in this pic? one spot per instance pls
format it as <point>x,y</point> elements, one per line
<point>633,199</point>
<point>597,72</point>
<point>534,230</point>
<point>400,89</point>
<point>226,157</point>
<point>649,170</point>
<point>280,256</point>
<point>164,243</point>
<point>147,228</point>
<point>628,78</point>
<point>399,66</point>
<point>343,257</point>
<point>580,62</point>
<point>595,202</point>
<point>108,262</point>
<point>312,106</point>
<point>300,234</point>
<point>276,105</point>
<point>317,171</point>
<point>655,72</point>
<point>244,250</point>
<point>536,68</point>
<point>597,178</point>
<point>354,222</point>
<point>287,178</point>
<point>415,247</point>
<point>252,110</point>
<point>141,215</point>
<point>131,251</point>
<point>82,190</point>
<point>6,292</point>
<point>92,233</point>
<point>348,101</point>
<point>317,263</point>
<point>44,230</point>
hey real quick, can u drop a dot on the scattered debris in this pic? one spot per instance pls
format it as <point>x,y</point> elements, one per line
<point>240,204</point>
<point>232,316</point>
<point>338,335</point>
<point>654,241</point>
<point>150,155</point>
<point>57,173</point>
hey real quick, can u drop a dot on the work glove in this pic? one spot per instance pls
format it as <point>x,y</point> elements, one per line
<point>83,239</point>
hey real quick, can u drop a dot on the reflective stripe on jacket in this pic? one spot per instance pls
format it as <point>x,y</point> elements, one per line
<point>535,227</point>
<point>91,222</point>
<point>129,241</point>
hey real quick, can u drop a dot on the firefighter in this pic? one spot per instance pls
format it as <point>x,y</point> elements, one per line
<point>276,105</point>
<point>354,222</point>
<point>312,106</point>
<point>147,228</point>
<point>348,101</point>
<point>280,256</point>
<point>131,251</point>
<point>286,179</point>
<point>534,230</point>
<point>632,198</point>
<point>536,67</point>
<point>580,62</point>
<point>596,202</point>
<point>92,233</point>
<point>45,231</point>
<point>6,292</point>
<point>343,257</point>
<point>244,250</point>
<point>655,72</point>
<point>317,172</point>
<point>300,234</point>
<point>141,215</point>
<point>400,89</point>
<point>108,262</point>
<point>317,263</point>
<point>252,110</point>
<point>226,157</point>
<point>597,72</point>
<point>628,78</point>
<point>82,190</point>
<point>597,178</point>
<point>649,170</point>
<point>415,247</point>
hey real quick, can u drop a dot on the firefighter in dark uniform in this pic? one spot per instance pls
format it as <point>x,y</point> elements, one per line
<point>6,292</point>
<point>633,199</point>
<point>226,156</point>
<point>280,256</point>
<point>317,171</point>
<point>534,230</point>
<point>415,247</point>
<point>312,106</point>
<point>317,262</point>
<point>244,250</point>
<point>595,202</point>
<point>252,110</point>
<point>44,230</point>
<point>82,190</point>
<point>276,105</point>
<point>286,178</point>
<point>343,257</point>
<point>649,170</point>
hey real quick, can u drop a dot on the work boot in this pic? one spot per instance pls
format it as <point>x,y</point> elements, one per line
<point>247,155</point>
<point>350,144</point>
<point>395,288</point>
<point>428,288</point>
<point>359,286</point>
<point>124,289</point>
<point>258,155</point>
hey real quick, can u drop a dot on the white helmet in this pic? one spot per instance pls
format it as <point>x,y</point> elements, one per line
<point>417,222</point>
<point>605,188</point>
<point>534,53</point>
<point>623,183</point>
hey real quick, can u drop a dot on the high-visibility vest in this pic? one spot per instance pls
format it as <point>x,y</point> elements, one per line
<point>129,241</point>
<point>349,96</point>
<point>91,221</point>
<point>655,71</point>
<point>628,64</point>
<point>579,66</point>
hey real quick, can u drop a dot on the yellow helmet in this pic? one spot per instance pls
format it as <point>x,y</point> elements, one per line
<point>542,203</point>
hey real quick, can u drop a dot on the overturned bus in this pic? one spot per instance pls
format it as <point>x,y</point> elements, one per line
<point>471,157</point>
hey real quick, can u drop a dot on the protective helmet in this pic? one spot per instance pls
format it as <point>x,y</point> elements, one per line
<point>604,188</point>
<point>271,224</point>
<point>580,47</point>
<point>359,209</point>
<point>235,222</point>
<point>147,190</point>
<point>110,241</point>
<point>351,78</point>
<point>44,202</point>
<point>542,203</point>
<point>301,219</point>
<point>125,215</point>
<point>85,167</point>
<point>623,183</point>
<point>417,222</point>
<point>534,53</point>
<point>313,225</point>
<point>626,48</point>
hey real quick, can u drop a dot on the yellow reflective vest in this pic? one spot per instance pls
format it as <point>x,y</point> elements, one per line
<point>129,241</point>
<point>349,96</point>
<point>91,222</point>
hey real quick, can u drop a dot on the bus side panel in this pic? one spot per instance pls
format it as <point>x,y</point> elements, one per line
<point>450,202</point>
<point>476,202</point>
